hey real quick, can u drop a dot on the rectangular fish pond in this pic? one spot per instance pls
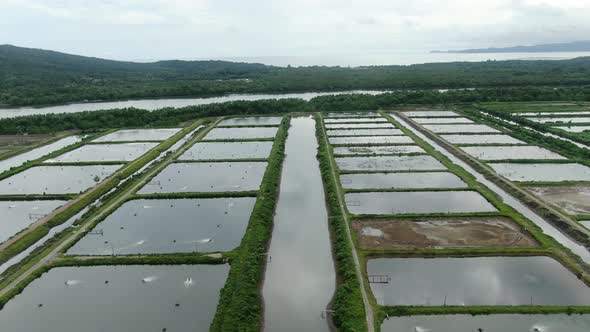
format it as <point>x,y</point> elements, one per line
<point>252,121</point>
<point>389,163</point>
<point>160,134</point>
<point>356,120</point>
<point>241,133</point>
<point>461,128</point>
<point>401,180</point>
<point>392,149</point>
<point>18,215</point>
<point>118,298</point>
<point>426,114</point>
<point>207,177</point>
<point>364,132</point>
<point>442,120</point>
<point>353,115</point>
<point>39,152</point>
<point>481,139</point>
<point>40,180</point>
<point>562,120</point>
<point>228,150</point>
<point>485,323</point>
<point>511,152</point>
<point>358,125</point>
<point>170,225</point>
<point>415,202</point>
<point>104,152</point>
<point>542,172</point>
<point>371,140</point>
<point>476,281</point>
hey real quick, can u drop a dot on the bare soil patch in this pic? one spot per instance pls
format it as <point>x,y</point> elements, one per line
<point>442,232</point>
<point>574,199</point>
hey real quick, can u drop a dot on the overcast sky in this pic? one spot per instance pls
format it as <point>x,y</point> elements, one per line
<point>164,29</point>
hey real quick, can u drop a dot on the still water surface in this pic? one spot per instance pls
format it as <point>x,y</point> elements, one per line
<point>104,152</point>
<point>18,160</point>
<point>227,150</point>
<point>159,134</point>
<point>18,215</point>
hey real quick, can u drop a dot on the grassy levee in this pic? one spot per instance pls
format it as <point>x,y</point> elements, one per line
<point>349,311</point>
<point>250,193</point>
<point>10,154</point>
<point>482,310</point>
<point>36,234</point>
<point>151,259</point>
<point>37,197</point>
<point>240,301</point>
<point>558,252</point>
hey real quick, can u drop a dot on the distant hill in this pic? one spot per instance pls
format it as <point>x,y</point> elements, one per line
<point>577,46</point>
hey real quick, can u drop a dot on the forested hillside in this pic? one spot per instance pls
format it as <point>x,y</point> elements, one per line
<point>33,77</point>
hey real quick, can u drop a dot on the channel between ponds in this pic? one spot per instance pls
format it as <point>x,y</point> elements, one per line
<point>547,228</point>
<point>300,276</point>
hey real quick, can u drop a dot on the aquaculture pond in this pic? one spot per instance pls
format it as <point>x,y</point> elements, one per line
<point>443,120</point>
<point>511,152</point>
<point>401,180</point>
<point>465,128</point>
<point>574,199</point>
<point>562,120</point>
<point>542,172</point>
<point>169,225</point>
<point>104,152</point>
<point>118,298</point>
<point>124,135</point>
<point>207,177</point>
<point>476,281</point>
<point>364,132</point>
<point>411,202</point>
<point>417,114</point>
<point>500,323</point>
<point>541,114</point>
<point>392,149</point>
<point>389,163</point>
<point>371,140</point>
<point>353,115</point>
<point>242,133</point>
<point>574,129</point>
<point>359,125</point>
<point>481,139</point>
<point>228,150</point>
<point>251,121</point>
<point>300,279</point>
<point>356,120</point>
<point>55,179</point>
<point>39,152</point>
<point>18,215</point>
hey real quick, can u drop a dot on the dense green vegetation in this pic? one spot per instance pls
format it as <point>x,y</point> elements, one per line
<point>349,311</point>
<point>30,76</point>
<point>240,302</point>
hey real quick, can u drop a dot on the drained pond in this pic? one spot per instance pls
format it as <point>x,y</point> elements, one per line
<point>169,225</point>
<point>543,172</point>
<point>461,128</point>
<point>300,278</point>
<point>391,149</point>
<point>118,298</point>
<point>476,281</point>
<point>389,163</point>
<point>401,180</point>
<point>510,152</point>
<point>481,139</point>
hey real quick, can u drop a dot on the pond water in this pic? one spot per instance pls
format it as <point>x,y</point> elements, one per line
<point>227,150</point>
<point>55,179</point>
<point>511,152</point>
<point>417,202</point>
<point>417,114</point>
<point>389,163</point>
<point>242,133</point>
<point>104,152</point>
<point>359,125</point>
<point>159,134</point>
<point>481,139</point>
<point>586,223</point>
<point>465,128</point>
<point>568,113</point>
<point>39,152</point>
<point>574,129</point>
<point>505,323</point>
<point>170,225</point>
<point>364,132</point>
<point>207,177</point>
<point>542,172</point>
<point>353,114</point>
<point>371,140</point>
<point>18,215</point>
<point>401,180</point>
<point>393,149</point>
<point>562,120</point>
<point>300,277</point>
<point>442,120</point>
<point>118,298</point>
<point>476,281</point>
<point>251,121</point>
<point>356,120</point>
